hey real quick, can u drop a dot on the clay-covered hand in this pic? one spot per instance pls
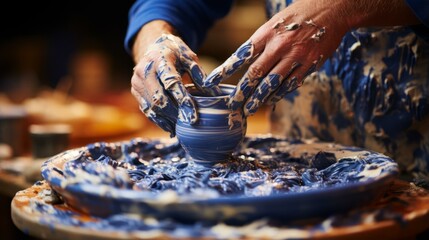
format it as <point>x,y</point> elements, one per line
<point>282,53</point>
<point>157,82</point>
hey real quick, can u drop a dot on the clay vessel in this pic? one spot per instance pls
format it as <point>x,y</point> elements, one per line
<point>218,131</point>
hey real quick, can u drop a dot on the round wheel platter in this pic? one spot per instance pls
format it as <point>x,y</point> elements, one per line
<point>267,177</point>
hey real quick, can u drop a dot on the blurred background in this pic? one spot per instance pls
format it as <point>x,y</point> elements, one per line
<point>59,59</point>
<point>45,44</point>
<point>63,62</point>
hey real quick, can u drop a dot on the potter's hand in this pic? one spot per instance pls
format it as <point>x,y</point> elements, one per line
<point>157,80</point>
<point>282,53</point>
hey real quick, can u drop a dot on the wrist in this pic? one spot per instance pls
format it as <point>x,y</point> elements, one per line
<point>331,14</point>
<point>377,13</point>
<point>148,35</point>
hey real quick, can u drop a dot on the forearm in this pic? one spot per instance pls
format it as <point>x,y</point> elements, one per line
<point>190,18</point>
<point>147,35</point>
<point>378,13</point>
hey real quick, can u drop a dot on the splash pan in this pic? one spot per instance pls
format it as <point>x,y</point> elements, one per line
<point>267,177</point>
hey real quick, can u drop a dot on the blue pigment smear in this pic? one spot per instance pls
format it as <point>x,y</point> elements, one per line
<point>259,164</point>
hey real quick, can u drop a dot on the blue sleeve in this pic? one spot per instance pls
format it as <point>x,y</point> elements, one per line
<point>191,18</point>
<point>421,9</point>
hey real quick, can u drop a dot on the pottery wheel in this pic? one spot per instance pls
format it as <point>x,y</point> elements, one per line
<point>271,187</point>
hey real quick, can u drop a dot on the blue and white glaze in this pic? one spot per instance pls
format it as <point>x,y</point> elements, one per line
<point>157,178</point>
<point>372,93</point>
<point>167,60</point>
<point>41,206</point>
<point>218,131</point>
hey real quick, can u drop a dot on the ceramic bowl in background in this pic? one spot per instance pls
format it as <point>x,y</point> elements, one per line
<point>13,121</point>
<point>49,139</point>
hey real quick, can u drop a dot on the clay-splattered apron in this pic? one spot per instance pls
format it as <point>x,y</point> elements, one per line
<point>373,93</point>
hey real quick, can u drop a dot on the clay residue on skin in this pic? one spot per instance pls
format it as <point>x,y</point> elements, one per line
<point>320,30</point>
<point>243,55</point>
<point>147,69</point>
<point>267,86</point>
<point>234,118</point>
<point>281,26</point>
<point>242,92</point>
<point>317,36</point>
<point>159,99</point>
<point>310,23</point>
<point>278,24</point>
<point>166,60</point>
<point>292,26</point>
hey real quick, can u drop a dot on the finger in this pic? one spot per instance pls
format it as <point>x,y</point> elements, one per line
<point>171,79</point>
<point>251,79</point>
<point>313,67</point>
<point>161,117</point>
<point>149,94</point>
<point>269,85</point>
<point>188,63</point>
<point>294,81</point>
<point>198,75</point>
<point>285,87</point>
<point>244,54</point>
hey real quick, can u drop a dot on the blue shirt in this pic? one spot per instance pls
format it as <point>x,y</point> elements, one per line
<point>191,18</point>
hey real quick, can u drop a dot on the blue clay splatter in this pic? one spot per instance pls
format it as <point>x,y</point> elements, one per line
<point>259,161</point>
<point>152,171</point>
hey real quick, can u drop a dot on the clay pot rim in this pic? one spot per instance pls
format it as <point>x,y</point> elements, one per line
<point>227,89</point>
